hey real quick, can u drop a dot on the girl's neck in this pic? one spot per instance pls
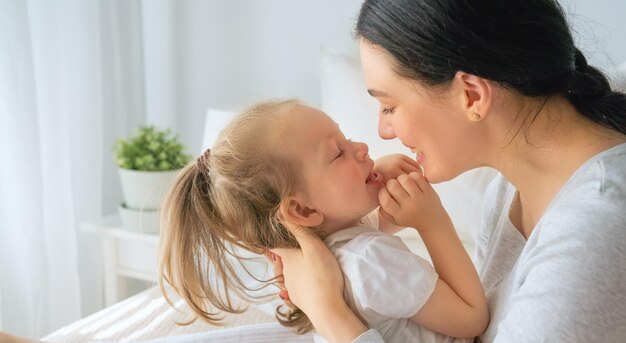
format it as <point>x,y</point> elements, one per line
<point>328,229</point>
<point>540,160</point>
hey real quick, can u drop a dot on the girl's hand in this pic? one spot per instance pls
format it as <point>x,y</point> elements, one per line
<point>315,283</point>
<point>411,201</point>
<point>392,166</point>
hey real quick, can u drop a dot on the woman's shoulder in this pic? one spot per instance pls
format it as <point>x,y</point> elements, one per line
<point>591,207</point>
<point>599,184</point>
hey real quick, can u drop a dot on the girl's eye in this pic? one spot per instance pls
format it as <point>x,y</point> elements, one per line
<point>387,110</point>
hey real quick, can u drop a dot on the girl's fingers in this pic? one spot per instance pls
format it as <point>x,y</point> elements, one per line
<point>410,185</point>
<point>421,181</point>
<point>387,203</point>
<point>410,165</point>
<point>397,192</point>
<point>386,215</point>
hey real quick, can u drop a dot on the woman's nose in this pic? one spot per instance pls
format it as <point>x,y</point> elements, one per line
<point>385,129</point>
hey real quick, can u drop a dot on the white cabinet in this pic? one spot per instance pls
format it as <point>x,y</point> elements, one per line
<point>126,254</point>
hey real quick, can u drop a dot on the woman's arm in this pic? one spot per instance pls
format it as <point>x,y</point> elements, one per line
<point>315,283</point>
<point>5,337</point>
<point>457,306</point>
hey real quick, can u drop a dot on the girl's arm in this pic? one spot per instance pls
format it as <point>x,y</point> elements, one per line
<point>457,307</point>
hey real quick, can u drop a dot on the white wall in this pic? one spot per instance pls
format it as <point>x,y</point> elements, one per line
<point>234,52</point>
<point>221,53</point>
<point>599,28</point>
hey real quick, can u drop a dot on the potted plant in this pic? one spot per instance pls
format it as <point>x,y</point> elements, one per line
<point>148,162</point>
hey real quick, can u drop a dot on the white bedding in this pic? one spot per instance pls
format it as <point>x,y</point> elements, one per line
<point>147,316</point>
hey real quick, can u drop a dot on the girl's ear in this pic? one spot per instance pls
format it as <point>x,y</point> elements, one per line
<point>477,95</point>
<point>296,211</point>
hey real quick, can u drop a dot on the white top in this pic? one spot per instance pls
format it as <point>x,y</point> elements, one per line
<point>385,283</point>
<point>567,283</point>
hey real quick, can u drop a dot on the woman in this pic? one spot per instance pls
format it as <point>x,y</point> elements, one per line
<point>501,84</point>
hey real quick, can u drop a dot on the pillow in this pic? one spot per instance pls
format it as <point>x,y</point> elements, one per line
<point>344,97</point>
<point>216,120</point>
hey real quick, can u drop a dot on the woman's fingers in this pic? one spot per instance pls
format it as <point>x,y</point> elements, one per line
<point>277,263</point>
<point>311,273</point>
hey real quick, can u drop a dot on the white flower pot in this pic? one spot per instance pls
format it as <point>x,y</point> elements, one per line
<point>144,221</point>
<point>145,190</point>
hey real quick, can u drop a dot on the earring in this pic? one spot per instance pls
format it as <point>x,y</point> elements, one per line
<point>476,116</point>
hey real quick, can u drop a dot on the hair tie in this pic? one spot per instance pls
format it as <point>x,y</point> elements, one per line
<point>203,160</point>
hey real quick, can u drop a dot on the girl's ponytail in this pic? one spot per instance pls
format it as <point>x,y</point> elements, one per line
<point>590,92</point>
<point>226,202</point>
<point>193,257</point>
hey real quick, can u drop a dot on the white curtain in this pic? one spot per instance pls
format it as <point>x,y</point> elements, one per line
<point>71,81</point>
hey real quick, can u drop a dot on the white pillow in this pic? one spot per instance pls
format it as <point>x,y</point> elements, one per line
<point>344,97</point>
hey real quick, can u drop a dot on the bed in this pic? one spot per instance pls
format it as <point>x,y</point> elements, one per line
<point>148,317</point>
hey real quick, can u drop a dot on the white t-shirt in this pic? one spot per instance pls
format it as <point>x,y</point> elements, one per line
<point>567,283</point>
<point>385,283</point>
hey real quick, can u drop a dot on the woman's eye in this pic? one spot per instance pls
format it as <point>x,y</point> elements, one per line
<point>339,154</point>
<point>387,110</point>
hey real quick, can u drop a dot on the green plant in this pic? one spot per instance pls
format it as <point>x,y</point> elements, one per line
<point>150,150</point>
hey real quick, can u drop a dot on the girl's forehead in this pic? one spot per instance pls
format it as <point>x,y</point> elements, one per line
<point>304,132</point>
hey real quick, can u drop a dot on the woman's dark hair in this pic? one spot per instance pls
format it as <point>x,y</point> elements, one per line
<point>524,45</point>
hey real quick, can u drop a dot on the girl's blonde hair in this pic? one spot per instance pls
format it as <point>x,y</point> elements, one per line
<point>229,199</point>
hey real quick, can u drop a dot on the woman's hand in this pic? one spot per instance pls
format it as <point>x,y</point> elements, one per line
<point>315,283</point>
<point>392,166</point>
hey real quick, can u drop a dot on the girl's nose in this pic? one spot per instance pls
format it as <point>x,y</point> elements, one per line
<point>385,129</point>
<point>362,150</point>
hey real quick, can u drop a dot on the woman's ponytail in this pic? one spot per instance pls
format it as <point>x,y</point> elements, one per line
<point>590,92</point>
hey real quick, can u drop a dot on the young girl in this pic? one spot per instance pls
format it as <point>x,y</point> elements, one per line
<point>282,164</point>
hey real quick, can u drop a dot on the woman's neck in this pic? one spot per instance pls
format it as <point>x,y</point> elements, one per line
<point>541,158</point>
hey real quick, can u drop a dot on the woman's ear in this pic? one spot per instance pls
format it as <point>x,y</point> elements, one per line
<point>298,212</point>
<point>476,95</point>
